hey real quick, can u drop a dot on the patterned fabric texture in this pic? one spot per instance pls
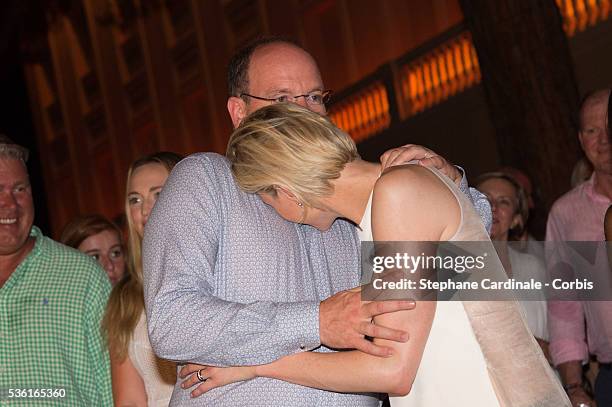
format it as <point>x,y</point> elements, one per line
<point>50,338</point>
<point>228,282</point>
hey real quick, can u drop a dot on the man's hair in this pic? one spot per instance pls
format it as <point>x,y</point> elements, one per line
<point>238,69</point>
<point>10,149</point>
<point>290,146</point>
<point>590,98</point>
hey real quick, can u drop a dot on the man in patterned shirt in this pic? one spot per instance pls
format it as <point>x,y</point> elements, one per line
<point>51,301</point>
<point>228,282</point>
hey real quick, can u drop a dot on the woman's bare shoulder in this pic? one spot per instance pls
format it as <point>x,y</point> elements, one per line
<point>408,181</point>
<point>414,203</point>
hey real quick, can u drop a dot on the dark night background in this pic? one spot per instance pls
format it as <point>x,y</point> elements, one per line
<point>15,117</point>
<point>534,59</point>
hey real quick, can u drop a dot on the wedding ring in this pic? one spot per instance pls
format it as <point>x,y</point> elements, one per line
<point>199,375</point>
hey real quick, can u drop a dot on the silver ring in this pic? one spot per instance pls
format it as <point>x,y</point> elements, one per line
<point>199,375</point>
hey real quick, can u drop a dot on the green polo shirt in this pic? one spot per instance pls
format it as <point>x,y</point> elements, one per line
<point>50,338</point>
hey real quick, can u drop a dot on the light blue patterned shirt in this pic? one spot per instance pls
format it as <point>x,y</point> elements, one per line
<point>228,282</point>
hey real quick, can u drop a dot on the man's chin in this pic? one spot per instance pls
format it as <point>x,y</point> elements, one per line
<point>10,245</point>
<point>604,169</point>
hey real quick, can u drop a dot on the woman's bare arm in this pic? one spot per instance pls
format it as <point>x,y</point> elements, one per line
<point>409,204</point>
<point>128,386</point>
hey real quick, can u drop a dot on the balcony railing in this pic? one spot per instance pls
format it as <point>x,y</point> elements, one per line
<point>432,73</point>
<point>433,76</point>
<point>364,113</point>
<point>578,15</point>
<point>421,79</point>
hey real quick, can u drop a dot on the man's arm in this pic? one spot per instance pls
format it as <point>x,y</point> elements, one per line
<point>355,371</point>
<point>428,158</point>
<point>479,200</point>
<point>566,324</point>
<point>188,322</point>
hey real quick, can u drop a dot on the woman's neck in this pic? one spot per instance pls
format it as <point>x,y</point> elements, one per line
<point>352,190</point>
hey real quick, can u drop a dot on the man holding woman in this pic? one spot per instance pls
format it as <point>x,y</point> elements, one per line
<point>309,172</point>
<point>228,282</point>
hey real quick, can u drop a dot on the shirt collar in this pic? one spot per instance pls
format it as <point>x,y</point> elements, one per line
<point>34,253</point>
<point>591,193</point>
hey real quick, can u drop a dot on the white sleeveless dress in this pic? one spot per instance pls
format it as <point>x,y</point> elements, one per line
<point>159,375</point>
<point>453,370</point>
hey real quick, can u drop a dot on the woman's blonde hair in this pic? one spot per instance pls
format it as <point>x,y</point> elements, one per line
<point>290,146</point>
<point>126,301</point>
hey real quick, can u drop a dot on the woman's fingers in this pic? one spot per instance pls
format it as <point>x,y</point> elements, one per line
<point>190,368</point>
<point>204,387</point>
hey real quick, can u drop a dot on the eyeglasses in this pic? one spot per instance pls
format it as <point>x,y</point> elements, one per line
<point>314,98</point>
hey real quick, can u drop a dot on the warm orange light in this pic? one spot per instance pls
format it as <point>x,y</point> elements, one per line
<point>439,74</point>
<point>578,15</point>
<point>364,114</point>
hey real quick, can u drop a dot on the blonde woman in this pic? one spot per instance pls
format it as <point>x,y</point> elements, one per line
<point>139,378</point>
<point>510,211</point>
<point>309,172</point>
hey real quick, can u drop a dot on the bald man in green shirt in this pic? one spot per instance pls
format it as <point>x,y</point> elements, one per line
<point>52,299</point>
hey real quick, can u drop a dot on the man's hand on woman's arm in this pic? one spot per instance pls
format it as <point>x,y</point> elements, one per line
<point>425,157</point>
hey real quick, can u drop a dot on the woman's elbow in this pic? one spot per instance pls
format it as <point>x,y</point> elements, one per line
<point>398,379</point>
<point>401,390</point>
<point>401,387</point>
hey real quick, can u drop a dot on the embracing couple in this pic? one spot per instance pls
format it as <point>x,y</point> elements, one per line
<point>256,304</point>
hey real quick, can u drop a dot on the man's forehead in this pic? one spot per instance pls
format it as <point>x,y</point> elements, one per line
<point>280,50</point>
<point>283,67</point>
<point>14,166</point>
<point>594,113</point>
<point>596,104</point>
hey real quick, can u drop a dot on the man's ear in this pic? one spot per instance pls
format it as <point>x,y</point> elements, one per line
<point>581,139</point>
<point>237,110</point>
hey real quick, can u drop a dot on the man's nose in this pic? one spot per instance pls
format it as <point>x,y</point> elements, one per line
<point>7,200</point>
<point>301,100</point>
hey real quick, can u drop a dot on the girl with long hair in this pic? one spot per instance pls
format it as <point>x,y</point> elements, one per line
<point>139,378</point>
